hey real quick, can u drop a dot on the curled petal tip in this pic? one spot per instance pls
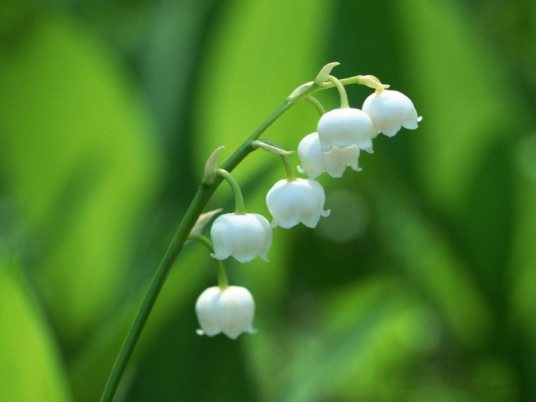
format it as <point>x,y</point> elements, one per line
<point>264,258</point>
<point>232,335</point>
<point>326,213</point>
<point>419,119</point>
<point>244,260</point>
<point>299,168</point>
<point>199,332</point>
<point>369,149</point>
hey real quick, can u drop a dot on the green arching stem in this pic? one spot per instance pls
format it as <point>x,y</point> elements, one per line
<point>342,91</point>
<point>291,176</point>
<point>223,280</point>
<point>240,208</point>
<point>316,104</point>
<point>198,204</point>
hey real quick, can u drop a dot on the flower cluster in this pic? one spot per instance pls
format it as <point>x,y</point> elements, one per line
<point>341,135</point>
<point>343,132</point>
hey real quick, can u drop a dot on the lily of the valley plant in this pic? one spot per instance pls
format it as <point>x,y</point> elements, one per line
<point>341,135</point>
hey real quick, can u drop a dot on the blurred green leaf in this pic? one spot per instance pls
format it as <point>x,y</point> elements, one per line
<point>355,343</point>
<point>472,116</point>
<point>425,253</point>
<point>30,363</point>
<point>362,343</point>
<point>523,263</point>
<point>459,89</point>
<point>67,108</point>
<point>169,64</point>
<point>486,236</point>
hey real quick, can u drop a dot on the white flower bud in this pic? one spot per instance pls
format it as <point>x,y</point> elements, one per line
<point>228,310</point>
<point>241,236</point>
<point>314,161</point>
<point>344,127</point>
<point>292,202</point>
<point>391,110</point>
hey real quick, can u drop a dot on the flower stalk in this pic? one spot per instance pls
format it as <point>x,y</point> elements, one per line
<point>240,208</point>
<point>316,103</point>
<point>342,92</point>
<point>223,280</point>
<point>289,168</point>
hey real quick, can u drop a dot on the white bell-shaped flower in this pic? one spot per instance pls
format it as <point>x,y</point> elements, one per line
<point>242,236</point>
<point>314,161</point>
<point>293,201</point>
<point>391,110</point>
<point>344,127</point>
<point>228,310</point>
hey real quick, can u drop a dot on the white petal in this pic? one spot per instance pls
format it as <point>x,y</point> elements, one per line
<point>241,236</point>
<point>344,127</point>
<point>229,310</point>
<point>411,120</point>
<point>292,202</point>
<point>334,162</point>
<point>281,202</point>
<point>366,146</point>
<point>310,155</point>
<point>338,159</point>
<point>207,308</point>
<point>264,237</point>
<point>222,233</point>
<point>237,309</point>
<point>390,110</point>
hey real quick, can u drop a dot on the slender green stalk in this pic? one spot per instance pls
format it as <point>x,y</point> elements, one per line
<point>342,92</point>
<point>204,240</point>
<point>198,204</point>
<point>223,280</point>
<point>240,208</point>
<point>316,104</point>
<point>291,176</point>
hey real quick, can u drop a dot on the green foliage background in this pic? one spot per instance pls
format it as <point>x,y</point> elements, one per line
<point>421,286</point>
